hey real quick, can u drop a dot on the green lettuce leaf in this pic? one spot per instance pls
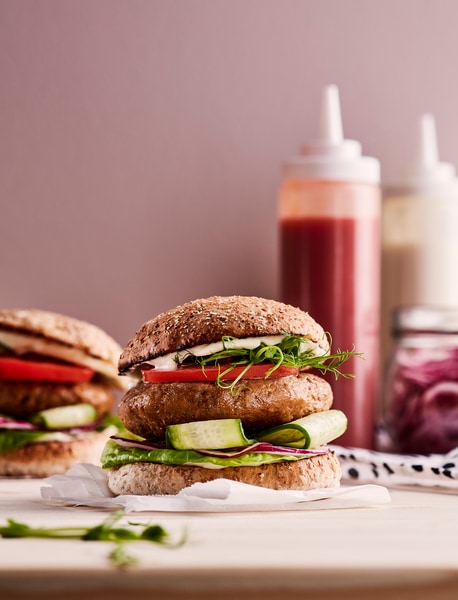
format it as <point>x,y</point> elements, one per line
<point>111,421</point>
<point>115,455</point>
<point>12,439</point>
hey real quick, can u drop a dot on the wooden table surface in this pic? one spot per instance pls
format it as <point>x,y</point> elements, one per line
<point>407,549</point>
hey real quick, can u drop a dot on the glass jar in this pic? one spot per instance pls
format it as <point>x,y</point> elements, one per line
<point>419,409</point>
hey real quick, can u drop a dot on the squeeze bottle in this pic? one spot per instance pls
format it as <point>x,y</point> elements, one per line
<point>329,218</point>
<point>420,233</point>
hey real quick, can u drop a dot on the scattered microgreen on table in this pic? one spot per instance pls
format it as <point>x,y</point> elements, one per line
<point>108,531</point>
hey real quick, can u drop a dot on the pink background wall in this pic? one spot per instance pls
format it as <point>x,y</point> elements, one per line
<point>141,141</point>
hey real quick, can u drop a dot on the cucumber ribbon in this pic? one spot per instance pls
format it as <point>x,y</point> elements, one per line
<point>312,431</point>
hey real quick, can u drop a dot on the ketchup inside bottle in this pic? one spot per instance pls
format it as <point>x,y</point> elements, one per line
<point>330,268</point>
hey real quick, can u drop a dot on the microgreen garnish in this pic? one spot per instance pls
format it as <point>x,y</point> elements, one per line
<point>107,531</point>
<point>289,352</point>
<point>119,557</point>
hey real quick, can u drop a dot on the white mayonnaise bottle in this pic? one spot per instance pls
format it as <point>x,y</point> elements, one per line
<point>420,233</point>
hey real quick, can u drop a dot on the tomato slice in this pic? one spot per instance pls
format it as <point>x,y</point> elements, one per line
<point>21,369</point>
<point>211,373</point>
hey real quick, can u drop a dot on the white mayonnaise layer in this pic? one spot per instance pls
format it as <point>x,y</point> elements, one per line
<point>22,343</point>
<point>169,362</point>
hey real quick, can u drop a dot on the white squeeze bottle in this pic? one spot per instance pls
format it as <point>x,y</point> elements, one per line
<point>420,233</point>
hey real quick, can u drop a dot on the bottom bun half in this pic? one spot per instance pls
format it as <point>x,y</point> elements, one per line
<point>43,459</point>
<point>148,479</point>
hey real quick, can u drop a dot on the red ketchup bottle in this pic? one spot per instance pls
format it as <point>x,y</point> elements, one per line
<point>329,214</point>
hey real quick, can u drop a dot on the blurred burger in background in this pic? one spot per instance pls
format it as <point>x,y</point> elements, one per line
<point>58,381</point>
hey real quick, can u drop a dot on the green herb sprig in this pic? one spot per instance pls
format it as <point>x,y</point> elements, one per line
<point>289,352</point>
<point>107,531</point>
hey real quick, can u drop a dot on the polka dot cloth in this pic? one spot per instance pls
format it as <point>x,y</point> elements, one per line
<point>395,470</point>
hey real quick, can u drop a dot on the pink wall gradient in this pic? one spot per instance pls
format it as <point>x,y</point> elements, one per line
<point>141,141</point>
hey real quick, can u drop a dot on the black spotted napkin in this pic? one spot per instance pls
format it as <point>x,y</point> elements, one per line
<point>360,466</point>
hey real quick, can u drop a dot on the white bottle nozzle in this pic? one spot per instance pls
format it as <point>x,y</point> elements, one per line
<point>330,156</point>
<point>330,128</point>
<point>427,145</point>
<point>426,170</point>
<point>330,140</point>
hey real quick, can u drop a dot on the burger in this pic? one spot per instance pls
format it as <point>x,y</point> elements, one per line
<point>227,387</point>
<point>58,381</point>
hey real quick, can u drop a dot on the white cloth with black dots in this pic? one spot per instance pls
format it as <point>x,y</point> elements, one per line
<point>361,466</point>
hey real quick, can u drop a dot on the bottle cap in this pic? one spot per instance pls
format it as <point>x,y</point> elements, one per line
<point>426,172</point>
<point>330,156</point>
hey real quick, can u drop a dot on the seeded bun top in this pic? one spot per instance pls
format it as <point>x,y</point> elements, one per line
<point>209,319</point>
<point>64,330</point>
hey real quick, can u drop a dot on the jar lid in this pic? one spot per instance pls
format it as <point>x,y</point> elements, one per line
<point>424,319</point>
